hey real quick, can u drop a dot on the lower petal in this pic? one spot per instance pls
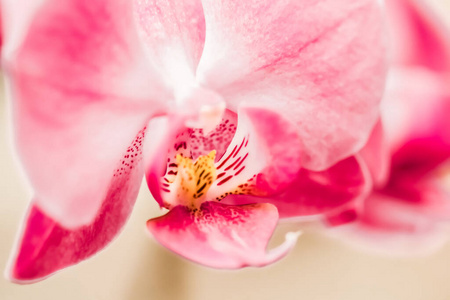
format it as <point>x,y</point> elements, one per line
<point>45,246</point>
<point>80,92</point>
<point>221,236</point>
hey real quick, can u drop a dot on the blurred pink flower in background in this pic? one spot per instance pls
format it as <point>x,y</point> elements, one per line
<point>408,211</point>
<point>208,99</point>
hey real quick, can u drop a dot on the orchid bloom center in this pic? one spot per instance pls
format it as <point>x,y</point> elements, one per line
<point>203,108</point>
<point>194,179</point>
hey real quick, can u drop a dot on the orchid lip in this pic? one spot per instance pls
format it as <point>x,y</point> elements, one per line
<point>190,182</point>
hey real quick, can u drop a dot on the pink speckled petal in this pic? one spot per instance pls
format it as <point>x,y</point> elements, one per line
<point>316,193</point>
<point>45,246</point>
<point>418,36</point>
<point>174,33</point>
<point>221,236</point>
<point>165,131</point>
<point>265,153</point>
<point>320,72</point>
<point>80,95</point>
<point>218,139</point>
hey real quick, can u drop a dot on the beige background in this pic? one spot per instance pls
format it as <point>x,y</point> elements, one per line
<point>135,267</point>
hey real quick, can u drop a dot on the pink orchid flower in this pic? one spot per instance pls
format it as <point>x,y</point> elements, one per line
<point>207,98</point>
<point>409,209</point>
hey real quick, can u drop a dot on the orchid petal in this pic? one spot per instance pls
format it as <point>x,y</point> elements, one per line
<point>408,211</point>
<point>418,36</point>
<point>316,193</point>
<point>376,155</point>
<point>406,220</point>
<point>263,157</point>
<point>45,246</point>
<point>320,72</point>
<point>77,80</point>
<point>16,18</point>
<point>415,114</point>
<point>165,132</point>
<point>221,236</point>
<point>173,33</point>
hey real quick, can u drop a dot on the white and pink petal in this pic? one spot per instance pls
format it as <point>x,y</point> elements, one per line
<point>324,74</point>
<point>45,246</point>
<point>173,33</point>
<point>77,81</point>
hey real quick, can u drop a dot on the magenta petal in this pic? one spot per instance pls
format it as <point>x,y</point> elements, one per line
<point>221,236</point>
<point>78,90</point>
<point>46,247</point>
<point>315,193</point>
